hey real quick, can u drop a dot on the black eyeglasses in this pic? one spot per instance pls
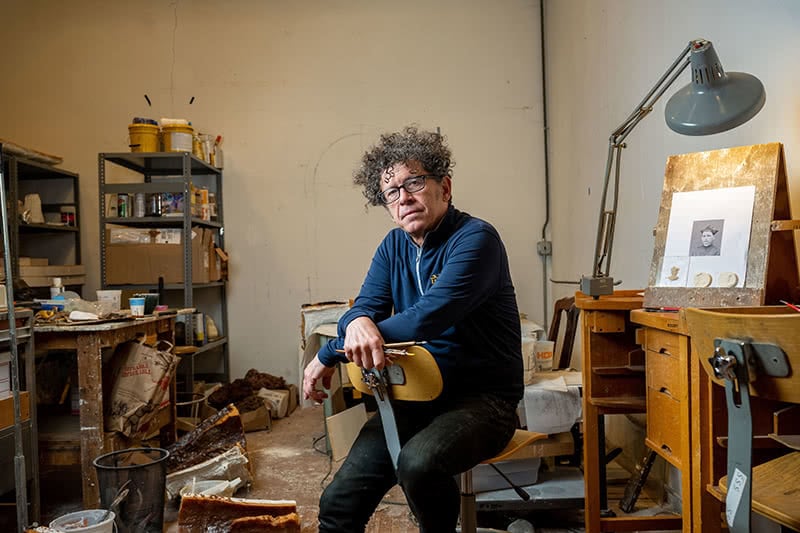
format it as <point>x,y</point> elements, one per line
<point>411,185</point>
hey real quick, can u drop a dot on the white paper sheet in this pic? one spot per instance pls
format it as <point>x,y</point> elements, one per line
<point>708,238</point>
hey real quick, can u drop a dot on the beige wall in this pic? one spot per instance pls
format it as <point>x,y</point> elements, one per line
<point>299,90</point>
<point>602,58</point>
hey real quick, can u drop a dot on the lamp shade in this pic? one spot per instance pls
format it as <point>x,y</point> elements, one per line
<point>715,101</point>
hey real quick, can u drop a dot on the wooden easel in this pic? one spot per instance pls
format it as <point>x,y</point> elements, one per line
<point>772,273</point>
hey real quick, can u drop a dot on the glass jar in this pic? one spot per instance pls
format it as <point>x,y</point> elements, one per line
<point>154,205</point>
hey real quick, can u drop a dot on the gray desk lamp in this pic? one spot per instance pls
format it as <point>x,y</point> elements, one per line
<point>715,101</point>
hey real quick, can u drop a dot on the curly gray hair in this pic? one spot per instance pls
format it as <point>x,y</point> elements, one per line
<point>411,144</point>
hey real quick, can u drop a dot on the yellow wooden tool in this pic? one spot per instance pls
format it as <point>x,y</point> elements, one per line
<point>414,376</point>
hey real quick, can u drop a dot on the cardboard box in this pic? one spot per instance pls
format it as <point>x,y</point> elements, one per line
<point>257,420</point>
<point>277,401</point>
<point>7,408</point>
<point>145,263</point>
<point>294,398</point>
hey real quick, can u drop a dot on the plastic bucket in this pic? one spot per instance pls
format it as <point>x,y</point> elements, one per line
<point>177,138</point>
<point>144,137</point>
<point>143,472</point>
<point>89,521</point>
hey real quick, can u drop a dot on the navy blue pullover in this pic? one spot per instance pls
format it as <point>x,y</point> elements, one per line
<point>455,292</point>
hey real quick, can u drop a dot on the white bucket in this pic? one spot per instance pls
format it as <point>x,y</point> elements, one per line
<point>88,521</point>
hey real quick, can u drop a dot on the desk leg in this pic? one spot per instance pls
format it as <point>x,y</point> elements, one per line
<point>90,376</point>
<point>591,467</point>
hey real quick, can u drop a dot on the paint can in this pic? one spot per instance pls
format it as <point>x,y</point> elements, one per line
<point>177,137</point>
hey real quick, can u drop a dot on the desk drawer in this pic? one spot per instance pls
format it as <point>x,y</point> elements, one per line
<point>666,343</point>
<point>664,433</point>
<point>665,374</point>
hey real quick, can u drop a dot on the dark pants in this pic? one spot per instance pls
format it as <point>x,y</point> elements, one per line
<point>440,440</point>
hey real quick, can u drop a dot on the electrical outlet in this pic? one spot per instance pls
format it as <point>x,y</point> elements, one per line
<point>544,248</point>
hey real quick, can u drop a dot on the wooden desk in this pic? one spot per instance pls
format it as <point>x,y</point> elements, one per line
<point>677,394</point>
<point>613,383</point>
<point>88,340</point>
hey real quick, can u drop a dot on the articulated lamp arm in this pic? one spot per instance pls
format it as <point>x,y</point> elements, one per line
<point>714,101</point>
<point>600,283</point>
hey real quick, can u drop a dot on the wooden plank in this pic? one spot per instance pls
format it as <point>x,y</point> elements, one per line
<point>52,270</point>
<point>47,281</point>
<point>343,429</point>
<point>619,301</point>
<point>663,320</point>
<point>640,523</point>
<point>90,379</point>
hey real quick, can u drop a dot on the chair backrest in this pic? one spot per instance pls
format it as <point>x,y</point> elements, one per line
<point>567,307</point>
<point>414,377</point>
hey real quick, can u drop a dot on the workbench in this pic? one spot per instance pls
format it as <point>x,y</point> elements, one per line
<point>614,382</point>
<point>60,439</point>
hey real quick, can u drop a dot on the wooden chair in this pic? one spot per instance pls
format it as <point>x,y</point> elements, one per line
<point>565,306</point>
<point>754,353</point>
<point>416,377</point>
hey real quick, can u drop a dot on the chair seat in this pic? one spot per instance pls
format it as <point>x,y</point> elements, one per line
<point>519,441</point>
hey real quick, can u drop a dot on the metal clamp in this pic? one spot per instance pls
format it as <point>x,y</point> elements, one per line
<point>740,363</point>
<point>379,382</point>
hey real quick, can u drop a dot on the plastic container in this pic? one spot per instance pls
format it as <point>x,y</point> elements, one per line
<point>113,297</point>
<point>87,521</point>
<point>137,305</point>
<point>177,137</point>
<point>143,137</point>
<point>145,472</point>
<point>150,301</point>
<point>544,355</point>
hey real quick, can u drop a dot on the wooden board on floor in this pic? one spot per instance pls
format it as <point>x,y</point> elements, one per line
<point>343,429</point>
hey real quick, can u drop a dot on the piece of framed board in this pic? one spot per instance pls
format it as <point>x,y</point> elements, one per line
<point>724,235</point>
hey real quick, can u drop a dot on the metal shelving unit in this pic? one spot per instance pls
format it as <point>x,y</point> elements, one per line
<point>171,172</point>
<point>20,440</point>
<point>57,188</point>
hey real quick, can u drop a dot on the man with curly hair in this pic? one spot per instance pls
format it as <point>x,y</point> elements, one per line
<point>442,276</point>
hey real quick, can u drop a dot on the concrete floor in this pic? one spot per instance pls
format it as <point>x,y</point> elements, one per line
<point>288,463</point>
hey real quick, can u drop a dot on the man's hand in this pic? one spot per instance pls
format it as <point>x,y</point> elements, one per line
<point>363,344</point>
<point>314,372</point>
